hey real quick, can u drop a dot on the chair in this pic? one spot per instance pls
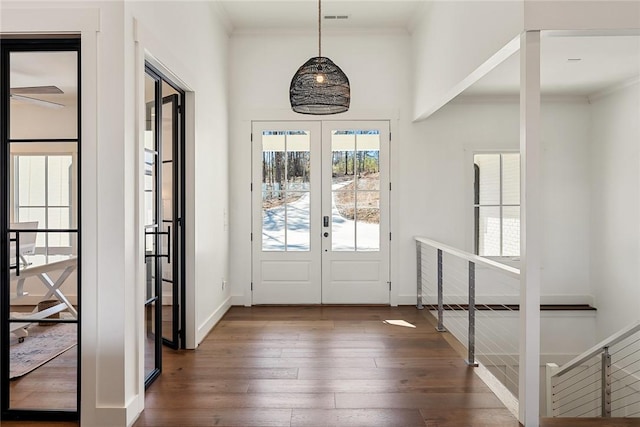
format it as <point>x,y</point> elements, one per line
<point>27,241</point>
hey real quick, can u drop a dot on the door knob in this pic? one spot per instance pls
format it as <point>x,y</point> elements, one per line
<point>326,234</point>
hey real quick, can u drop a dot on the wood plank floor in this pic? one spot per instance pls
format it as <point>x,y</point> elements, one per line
<point>321,366</point>
<point>324,366</point>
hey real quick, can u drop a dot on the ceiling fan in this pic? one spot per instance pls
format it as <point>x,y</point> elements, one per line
<point>19,94</point>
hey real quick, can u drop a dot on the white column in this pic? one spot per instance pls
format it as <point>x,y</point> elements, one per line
<point>531,228</point>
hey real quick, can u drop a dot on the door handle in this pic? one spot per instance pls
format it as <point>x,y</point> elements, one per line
<point>326,234</point>
<point>325,222</point>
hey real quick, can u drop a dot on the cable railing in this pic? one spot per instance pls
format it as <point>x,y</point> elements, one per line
<point>476,300</point>
<point>604,381</point>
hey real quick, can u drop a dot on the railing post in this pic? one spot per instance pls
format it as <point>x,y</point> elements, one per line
<point>440,327</point>
<point>471,361</point>
<point>550,371</point>
<point>606,383</point>
<point>419,275</point>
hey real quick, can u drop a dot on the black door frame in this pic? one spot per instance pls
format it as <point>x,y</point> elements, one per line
<point>68,43</point>
<point>177,248</point>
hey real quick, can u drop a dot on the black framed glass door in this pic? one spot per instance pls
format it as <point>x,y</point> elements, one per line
<point>40,289</point>
<point>164,231</point>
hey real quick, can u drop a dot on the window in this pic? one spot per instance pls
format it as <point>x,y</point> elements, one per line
<point>497,204</point>
<point>43,193</point>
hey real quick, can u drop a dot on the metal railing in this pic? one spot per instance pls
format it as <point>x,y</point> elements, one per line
<point>604,381</point>
<point>476,300</point>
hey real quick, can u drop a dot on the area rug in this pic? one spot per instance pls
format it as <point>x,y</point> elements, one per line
<point>43,344</point>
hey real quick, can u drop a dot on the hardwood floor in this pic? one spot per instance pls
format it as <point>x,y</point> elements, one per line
<point>321,366</point>
<point>324,366</point>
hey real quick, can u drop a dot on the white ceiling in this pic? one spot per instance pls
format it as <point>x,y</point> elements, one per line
<point>605,61</point>
<point>302,15</point>
<point>29,69</point>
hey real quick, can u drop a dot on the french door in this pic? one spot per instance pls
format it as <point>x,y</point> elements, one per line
<point>163,228</point>
<point>40,135</point>
<point>320,197</point>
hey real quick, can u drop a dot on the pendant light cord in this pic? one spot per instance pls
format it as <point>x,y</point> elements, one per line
<point>319,28</point>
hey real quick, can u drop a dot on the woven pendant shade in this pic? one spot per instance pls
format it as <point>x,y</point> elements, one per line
<point>319,87</point>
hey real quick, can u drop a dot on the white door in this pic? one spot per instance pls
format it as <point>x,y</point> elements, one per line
<point>355,198</point>
<point>320,196</point>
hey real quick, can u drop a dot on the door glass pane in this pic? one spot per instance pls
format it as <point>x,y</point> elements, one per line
<point>149,187</point>
<point>343,228</point>
<point>298,221</point>
<point>169,126</point>
<point>355,190</point>
<point>285,190</point>
<point>150,338</point>
<point>343,157</point>
<point>43,90</point>
<point>368,221</point>
<point>43,282</point>
<point>298,161</point>
<point>489,165</point>
<point>368,160</point>
<point>489,231</point>
<point>43,363</point>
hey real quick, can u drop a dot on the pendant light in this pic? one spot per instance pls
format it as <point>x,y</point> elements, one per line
<point>319,86</point>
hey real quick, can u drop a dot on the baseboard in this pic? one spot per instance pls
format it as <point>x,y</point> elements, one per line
<point>212,320</point>
<point>407,300</point>
<point>111,416</point>
<point>134,409</point>
<point>238,300</point>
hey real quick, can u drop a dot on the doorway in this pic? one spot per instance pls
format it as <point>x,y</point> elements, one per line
<point>163,225</point>
<point>40,132</point>
<point>320,197</point>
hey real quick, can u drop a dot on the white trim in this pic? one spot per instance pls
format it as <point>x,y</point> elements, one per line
<point>212,320</point>
<point>515,99</point>
<point>150,49</point>
<point>86,22</point>
<point>485,68</point>
<point>17,18</point>
<point>530,229</point>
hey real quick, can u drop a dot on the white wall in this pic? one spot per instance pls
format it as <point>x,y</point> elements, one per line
<point>436,186</point>
<point>261,70</point>
<point>432,160</point>
<point>451,40</point>
<point>187,39</point>
<point>189,42</point>
<point>615,208</point>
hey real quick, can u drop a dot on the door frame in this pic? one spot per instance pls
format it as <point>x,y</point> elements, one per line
<point>255,223</point>
<point>41,43</point>
<point>178,244</point>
